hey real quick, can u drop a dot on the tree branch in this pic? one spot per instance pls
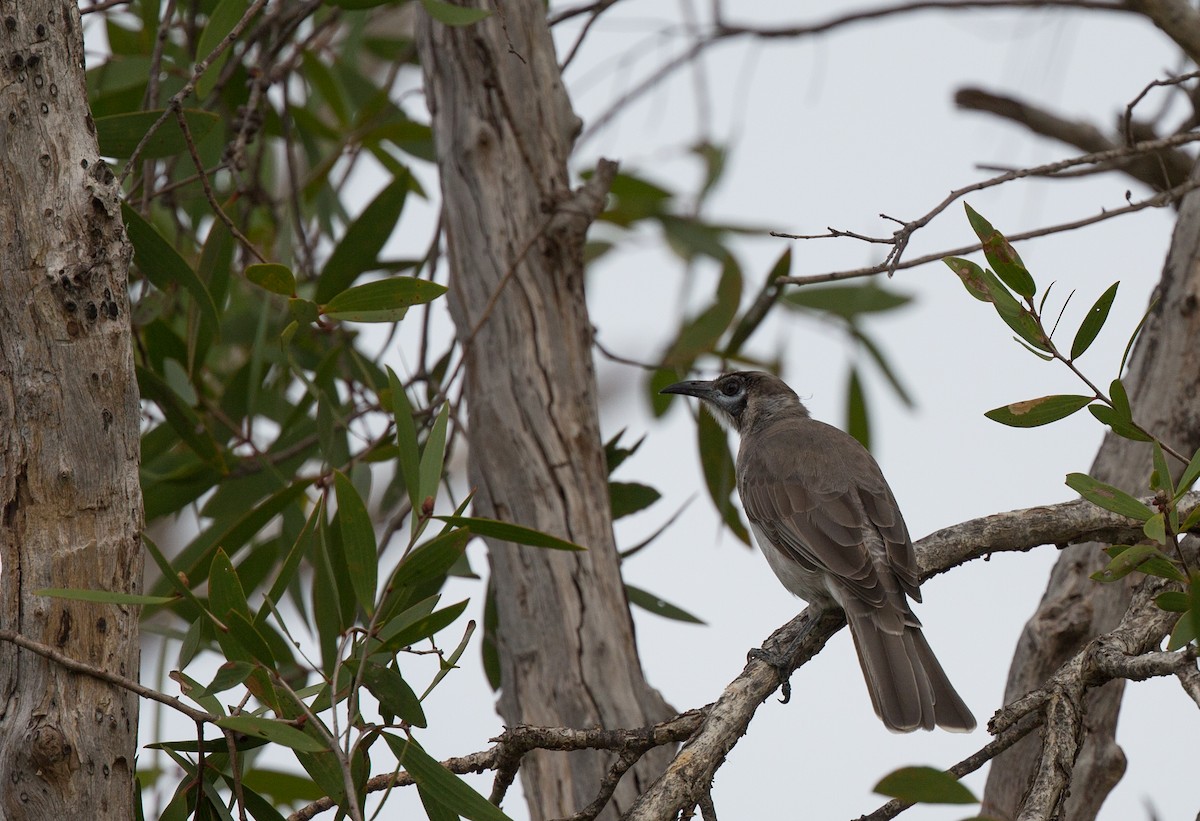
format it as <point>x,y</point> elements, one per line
<point>726,721</point>
<point>1161,170</point>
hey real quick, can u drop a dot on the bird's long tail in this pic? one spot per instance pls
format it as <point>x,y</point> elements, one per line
<point>908,687</point>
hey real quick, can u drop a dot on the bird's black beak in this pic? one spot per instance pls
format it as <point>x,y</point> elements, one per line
<point>695,387</point>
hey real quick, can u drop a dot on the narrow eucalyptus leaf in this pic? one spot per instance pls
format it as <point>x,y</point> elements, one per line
<point>1097,315</point>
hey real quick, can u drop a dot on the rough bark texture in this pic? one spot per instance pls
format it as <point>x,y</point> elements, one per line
<point>1163,382</point>
<point>504,129</point>
<point>68,433</point>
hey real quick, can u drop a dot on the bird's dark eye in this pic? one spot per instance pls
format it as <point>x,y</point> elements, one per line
<point>731,388</point>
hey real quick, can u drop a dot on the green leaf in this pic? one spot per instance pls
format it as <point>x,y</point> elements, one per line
<point>275,731</point>
<point>358,250</point>
<point>718,466</point>
<point>925,785</point>
<point>304,311</point>
<point>757,312</point>
<point>393,637</point>
<point>1125,560</point>
<point>445,787</point>
<point>394,694</point>
<point>385,300</point>
<point>276,278</point>
<point>1172,601</point>
<point>1097,315</point>
<point>1160,479</point>
<point>158,260</point>
<point>615,454</point>
<point>657,606</point>
<point>972,277</point>
<point>1192,521</point>
<point>1001,255</point>
<point>630,497</point>
<point>406,441</point>
<point>225,593</point>
<point>1189,475</point>
<point>858,424</point>
<point>119,134</point>
<point>1155,529</point>
<point>1035,412</point>
<point>433,457</point>
<point>103,596</point>
<point>847,301</point>
<point>230,674</point>
<point>700,334</point>
<point>1118,423</point>
<point>220,22</point>
<point>1108,497</point>
<point>453,15</point>
<point>358,541</point>
<point>509,532</point>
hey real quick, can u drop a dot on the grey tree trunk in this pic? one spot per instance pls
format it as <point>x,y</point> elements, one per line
<point>504,129</point>
<point>72,505</point>
<point>1163,382</point>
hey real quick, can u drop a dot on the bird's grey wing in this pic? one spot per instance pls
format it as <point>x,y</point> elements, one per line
<point>819,497</point>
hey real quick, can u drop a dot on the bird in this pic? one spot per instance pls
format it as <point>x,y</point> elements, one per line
<point>826,520</point>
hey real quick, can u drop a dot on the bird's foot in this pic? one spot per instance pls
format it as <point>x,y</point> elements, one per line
<point>780,663</point>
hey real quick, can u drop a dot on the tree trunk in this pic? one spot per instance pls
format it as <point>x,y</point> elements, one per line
<point>72,505</point>
<point>1163,382</point>
<point>504,129</point>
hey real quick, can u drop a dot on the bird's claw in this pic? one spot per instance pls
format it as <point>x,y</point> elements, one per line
<point>781,667</point>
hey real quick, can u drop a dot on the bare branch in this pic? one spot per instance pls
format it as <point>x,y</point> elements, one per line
<point>1161,170</point>
<point>76,666</point>
<point>1178,19</point>
<point>893,261</point>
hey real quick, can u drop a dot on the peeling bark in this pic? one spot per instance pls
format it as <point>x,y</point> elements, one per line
<point>504,129</point>
<point>72,507</point>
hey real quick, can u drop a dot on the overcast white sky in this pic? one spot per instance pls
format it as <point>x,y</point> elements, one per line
<point>833,131</point>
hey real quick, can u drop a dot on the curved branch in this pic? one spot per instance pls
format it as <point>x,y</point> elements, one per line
<point>726,721</point>
<point>1161,170</point>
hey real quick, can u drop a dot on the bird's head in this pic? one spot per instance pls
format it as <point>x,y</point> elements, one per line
<point>742,399</point>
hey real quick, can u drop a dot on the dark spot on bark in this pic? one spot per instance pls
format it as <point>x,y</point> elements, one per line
<point>10,23</point>
<point>41,30</point>
<point>44,160</point>
<point>70,306</point>
<point>112,310</point>
<point>101,625</point>
<point>32,62</point>
<point>95,378</point>
<point>90,123</point>
<point>1189,305</point>
<point>91,312</point>
<point>108,293</point>
<point>105,770</point>
<point>65,282</point>
<point>12,116</point>
<point>82,163</point>
<point>107,416</point>
<point>73,328</point>
<point>17,62</point>
<point>98,206</point>
<point>64,628</point>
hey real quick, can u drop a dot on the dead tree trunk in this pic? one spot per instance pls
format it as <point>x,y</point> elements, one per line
<point>72,505</point>
<point>1163,383</point>
<point>504,129</point>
